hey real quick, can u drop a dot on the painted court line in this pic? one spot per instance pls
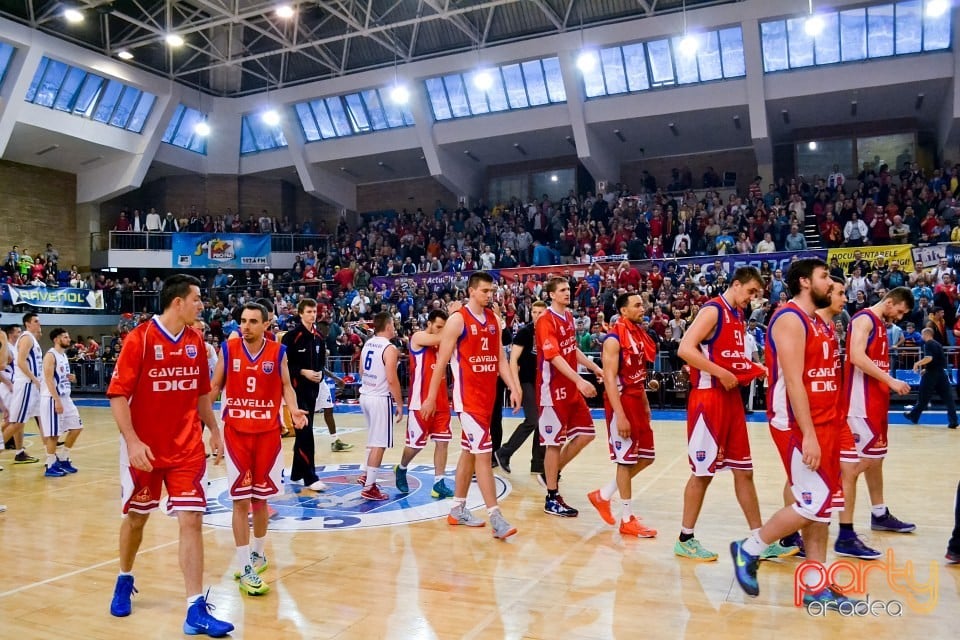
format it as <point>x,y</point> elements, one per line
<point>75,572</point>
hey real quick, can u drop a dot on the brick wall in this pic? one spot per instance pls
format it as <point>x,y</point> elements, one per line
<point>742,161</point>
<point>39,206</point>
<point>404,194</point>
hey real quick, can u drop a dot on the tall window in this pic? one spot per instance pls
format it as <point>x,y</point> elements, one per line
<point>852,35</point>
<point>182,130</point>
<point>662,63</point>
<point>520,85</point>
<point>351,114</point>
<point>59,86</point>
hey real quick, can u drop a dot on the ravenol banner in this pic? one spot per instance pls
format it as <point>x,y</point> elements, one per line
<point>59,298</point>
<point>899,252</point>
<point>216,250</point>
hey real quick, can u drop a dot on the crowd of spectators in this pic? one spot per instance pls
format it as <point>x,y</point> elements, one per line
<point>595,235</point>
<point>191,220</point>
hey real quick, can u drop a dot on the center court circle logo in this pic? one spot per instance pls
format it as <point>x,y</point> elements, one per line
<point>341,507</point>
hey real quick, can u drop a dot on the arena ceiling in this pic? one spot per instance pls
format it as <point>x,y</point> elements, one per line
<point>239,47</point>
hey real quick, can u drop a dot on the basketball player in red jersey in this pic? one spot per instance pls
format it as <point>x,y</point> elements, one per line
<point>253,372</point>
<point>804,362</point>
<point>566,426</point>
<point>471,343</point>
<point>867,386</point>
<point>626,351</point>
<point>716,424</point>
<point>160,386</point>
<point>423,360</point>
<point>838,302</point>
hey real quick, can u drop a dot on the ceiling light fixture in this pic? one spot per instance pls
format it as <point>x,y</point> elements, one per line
<point>202,129</point>
<point>400,94</point>
<point>812,145</point>
<point>174,40</point>
<point>690,43</point>
<point>73,15</point>
<point>936,8</point>
<point>270,117</point>
<point>284,11</point>
<point>587,61</point>
<point>814,25</point>
<point>483,80</point>
<point>123,54</point>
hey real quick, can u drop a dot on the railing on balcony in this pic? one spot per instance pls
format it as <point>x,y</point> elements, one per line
<point>163,241</point>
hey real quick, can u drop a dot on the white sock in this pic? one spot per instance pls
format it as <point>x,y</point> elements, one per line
<point>371,478</point>
<point>879,510</point>
<point>459,502</point>
<point>243,557</point>
<point>63,453</point>
<point>626,511</point>
<point>125,573</point>
<point>51,458</point>
<point>19,451</point>
<point>754,545</point>
<point>258,544</point>
<point>437,479</point>
<point>686,532</point>
<point>607,490</point>
<point>402,467</point>
<point>493,509</point>
<point>363,469</point>
<point>193,599</point>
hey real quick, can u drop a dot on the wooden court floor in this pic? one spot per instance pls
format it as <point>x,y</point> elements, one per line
<point>556,579</point>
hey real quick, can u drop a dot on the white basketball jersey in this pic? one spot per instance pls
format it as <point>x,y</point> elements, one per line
<point>374,377</point>
<point>34,359</point>
<point>61,376</point>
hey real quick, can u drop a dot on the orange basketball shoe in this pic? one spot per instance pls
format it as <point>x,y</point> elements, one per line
<point>633,528</point>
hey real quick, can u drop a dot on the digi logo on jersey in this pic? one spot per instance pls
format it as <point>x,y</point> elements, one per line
<point>341,507</point>
<point>174,378</point>
<point>738,360</point>
<point>823,379</point>
<point>483,364</point>
<point>250,408</point>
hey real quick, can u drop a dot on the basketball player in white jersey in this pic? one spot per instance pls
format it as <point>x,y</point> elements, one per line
<point>380,398</point>
<point>58,414</point>
<point>8,336</point>
<point>25,403</point>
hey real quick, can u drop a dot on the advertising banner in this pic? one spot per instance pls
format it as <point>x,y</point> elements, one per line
<point>216,250</point>
<point>928,257</point>
<point>900,252</point>
<point>431,281</point>
<point>55,297</point>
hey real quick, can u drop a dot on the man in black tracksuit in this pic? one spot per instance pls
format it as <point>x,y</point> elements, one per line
<point>523,360</point>
<point>933,380</point>
<point>306,359</point>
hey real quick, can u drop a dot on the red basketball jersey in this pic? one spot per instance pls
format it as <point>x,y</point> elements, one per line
<point>423,363</point>
<point>725,348</point>
<point>635,353</point>
<point>475,364</point>
<point>821,372</point>
<point>162,376</point>
<point>556,336</point>
<point>254,386</point>
<point>866,396</point>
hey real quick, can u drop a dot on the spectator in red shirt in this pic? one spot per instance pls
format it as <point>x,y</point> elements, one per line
<point>123,224</point>
<point>627,275</point>
<point>343,277</point>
